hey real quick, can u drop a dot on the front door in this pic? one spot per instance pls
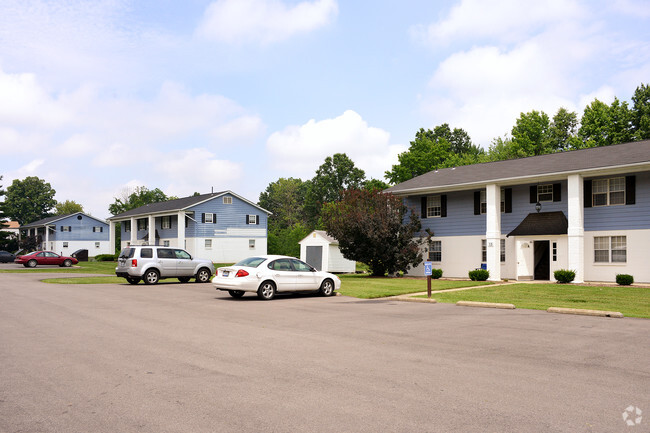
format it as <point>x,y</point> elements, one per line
<point>542,262</point>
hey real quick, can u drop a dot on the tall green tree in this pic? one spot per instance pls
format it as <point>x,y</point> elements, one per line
<point>140,196</point>
<point>530,134</point>
<point>29,200</point>
<point>563,131</point>
<point>285,198</point>
<point>375,228</point>
<point>8,241</point>
<point>431,149</point>
<point>68,207</point>
<point>604,125</point>
<point>641,112</point>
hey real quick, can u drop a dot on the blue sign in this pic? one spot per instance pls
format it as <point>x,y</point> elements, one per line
<point>428,268</point>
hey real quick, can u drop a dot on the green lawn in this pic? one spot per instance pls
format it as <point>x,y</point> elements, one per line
<point>629,300</point>
<point>366,287</point>
<point>81,268</point>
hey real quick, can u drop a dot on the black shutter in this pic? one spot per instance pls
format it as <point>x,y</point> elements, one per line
<point>69,228</point>
<point>423,209</point>
<point>246,219</point>
<point>508,200</point>
<point>630,190</point>
<point>214,218</point>
<point>533,194</point>
<point>101,229</point>
<point>557,192</point>
<point>61,228</point>
<point>443,205</point>
<point>587,192</point>
<point>203,217</point>
<point>257,219</point>
<point>477,202</point>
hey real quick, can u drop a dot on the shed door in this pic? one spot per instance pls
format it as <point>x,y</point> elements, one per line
<point>315,257</point>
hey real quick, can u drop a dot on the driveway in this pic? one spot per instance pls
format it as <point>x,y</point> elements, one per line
<point>185,358</point>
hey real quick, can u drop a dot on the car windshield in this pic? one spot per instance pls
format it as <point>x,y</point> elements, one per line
<point>251,262</point>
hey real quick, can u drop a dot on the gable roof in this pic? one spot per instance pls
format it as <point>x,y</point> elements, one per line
<point>323,234</point>
<point>178,205</point>
<point>595,160</point>
<point>542,224</point>
<point>53,219</point>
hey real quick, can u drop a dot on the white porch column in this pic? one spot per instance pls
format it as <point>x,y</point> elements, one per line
<point>493,231</point>
<point>181,229</point>
<point>111,237</point>
<point>152,230</point>
<point>134,231</point>
<point>47,236</point>
<point>576,230</point>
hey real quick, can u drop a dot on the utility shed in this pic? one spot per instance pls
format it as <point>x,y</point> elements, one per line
<point>322,252</point>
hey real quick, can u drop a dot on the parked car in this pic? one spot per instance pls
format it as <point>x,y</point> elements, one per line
<point>45,258</point>
<point>6,257</point>
<point>268,275</point>
<point>152,263</point>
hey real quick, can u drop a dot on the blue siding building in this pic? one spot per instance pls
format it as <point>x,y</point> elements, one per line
<point>586,210</point>
<point>223,227</point>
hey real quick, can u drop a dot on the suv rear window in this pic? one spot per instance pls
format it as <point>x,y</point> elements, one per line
<point>127,253</point>
<point>146,253</point>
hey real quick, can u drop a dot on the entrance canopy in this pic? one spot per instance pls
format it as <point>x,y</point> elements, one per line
<point>542,224</point>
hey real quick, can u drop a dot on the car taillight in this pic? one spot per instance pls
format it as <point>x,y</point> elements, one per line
<point>241,273</point>
<point>134,263</point>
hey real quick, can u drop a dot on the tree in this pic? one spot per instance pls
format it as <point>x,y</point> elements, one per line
<point>641,112</point>
<point>285,198</point>
<point>139,197</point>
<point>375,185</point>
<point>29,200</point>
<point>431,149</point>
<point>604,125</point>
<point>284,241</point>
<point>8,241</point>
<point>68,207</point>
<point>530,134</point>
<point>335,175</point>
<point>375,228</point>
<point>563,131</point>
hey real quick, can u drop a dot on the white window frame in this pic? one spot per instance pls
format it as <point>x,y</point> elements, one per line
<point>66,229</point>
<point>208,244</point>
<point>502,250</point>
<point>614,246</point>
<point>209,218</point>
<point>252,219</point>
<point>435,251</point>
<point>166,222</point>
<point>545,192</point>
<point>65,245</point>
<point>608,192</point>
<point>227,200</point>
<point>484,201</point>
<point>143,222</point>
<point>251,243</point>
<point>434,206</point>
<point>97,229</point>
<point>98,244</point>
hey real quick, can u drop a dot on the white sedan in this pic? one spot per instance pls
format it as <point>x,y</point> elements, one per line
<point>268,275</point>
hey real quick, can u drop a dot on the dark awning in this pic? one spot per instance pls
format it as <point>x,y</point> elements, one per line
<point>542,224</point>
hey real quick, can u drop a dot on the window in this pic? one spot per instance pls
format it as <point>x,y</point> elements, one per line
<point>252,219</point>
<point>166,222</point>
<point>610,249</point>
<point>280,265</point>
<point>608,192</point>
<point>502,250</point>
<point>65,245</point>
<point>182,255</point>
<point>555,251</point>
<point>545,192</point>
<point>96,244</point>
<point>435,251</point>
<point>208,218</point>
<point>227,200</point>
<point>484,201</point>
<point>251,243</point>
<point>66,228</point>
<point>165,243</point>
<point>98,229</point>
<point>165,254</point>
<point>143,223</point>
<point>208,244</point>
<point>300,266</point>
<point>127,226</point>
<point>434,208</point>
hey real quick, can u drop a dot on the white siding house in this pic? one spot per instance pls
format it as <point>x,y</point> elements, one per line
<point>322,252</point>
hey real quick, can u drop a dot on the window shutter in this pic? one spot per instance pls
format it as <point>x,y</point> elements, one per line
<point>508,199</point>
<point>69,228</point>
<point>247,219</point>
<point>443,205</point>
<point>477,202</point>
<point>587,193</point>
<point>533,193</point>
<point>61,228</point>
<point>214,218</point>
<point>630,190</point>
<point>203,217</point>
<point>257,219</point>
<point>423,209</point>
<point>101,229</point>
<point>557,192</point>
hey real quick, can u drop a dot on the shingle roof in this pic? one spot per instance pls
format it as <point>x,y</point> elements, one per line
<point>55,218</point>
<point>628,154</point>
<point>542,224</point>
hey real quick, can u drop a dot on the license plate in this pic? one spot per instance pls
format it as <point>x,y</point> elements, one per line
<point>226,273</point>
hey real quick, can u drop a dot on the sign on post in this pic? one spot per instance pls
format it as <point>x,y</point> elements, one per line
<point>428,270</point>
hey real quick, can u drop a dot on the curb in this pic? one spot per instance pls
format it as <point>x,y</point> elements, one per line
<point>598,313</point>
<point>407,299</point>
<point>485,305</point>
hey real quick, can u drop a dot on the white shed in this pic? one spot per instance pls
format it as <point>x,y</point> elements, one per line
<point>322,252</point>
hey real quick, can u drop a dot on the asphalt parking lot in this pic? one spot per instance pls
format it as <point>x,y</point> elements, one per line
<point>185,358</point>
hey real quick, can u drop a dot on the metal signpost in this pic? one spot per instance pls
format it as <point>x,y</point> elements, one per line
<point>428,270</point>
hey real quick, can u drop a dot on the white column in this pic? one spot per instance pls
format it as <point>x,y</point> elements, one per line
<point>152,230</point>
<point>47,236</point>
<point>493,231</point>
<point>134,231</point>
<point>181,229</point>
<point>111,237</point>
<point>576,230</point>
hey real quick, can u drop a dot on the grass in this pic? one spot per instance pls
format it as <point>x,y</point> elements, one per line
<point>630,300</point>
<point>366,287</point>
<point>101,268</point>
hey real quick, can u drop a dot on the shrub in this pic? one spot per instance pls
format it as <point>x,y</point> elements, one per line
<point>105,258</point>
<point>624,279</point>
<point>479,275</point>
<point>564,276</point>
<point>436,273</point>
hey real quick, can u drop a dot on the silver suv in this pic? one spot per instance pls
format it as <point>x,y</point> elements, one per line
<point>152,263</point>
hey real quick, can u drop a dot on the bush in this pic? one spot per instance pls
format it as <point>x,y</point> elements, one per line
<point>624,279</point>
<point>564,276</point>
<point>106,258</point>
<point>479,275</point>
<point>436,273</point>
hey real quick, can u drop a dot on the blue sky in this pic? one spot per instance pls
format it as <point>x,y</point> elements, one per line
<point>97,97</point>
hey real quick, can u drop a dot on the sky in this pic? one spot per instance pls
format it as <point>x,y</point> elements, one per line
<point>98,97</point>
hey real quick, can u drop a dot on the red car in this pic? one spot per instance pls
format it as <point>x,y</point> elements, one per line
<point>45,258</point>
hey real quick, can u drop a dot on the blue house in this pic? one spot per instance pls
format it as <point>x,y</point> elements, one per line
<point>223,226</point>
<point>585,210</point>
<point>65,234</point>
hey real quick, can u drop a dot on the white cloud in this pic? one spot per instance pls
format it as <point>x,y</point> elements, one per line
<point>263,21</point>
<point>299,150</point>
